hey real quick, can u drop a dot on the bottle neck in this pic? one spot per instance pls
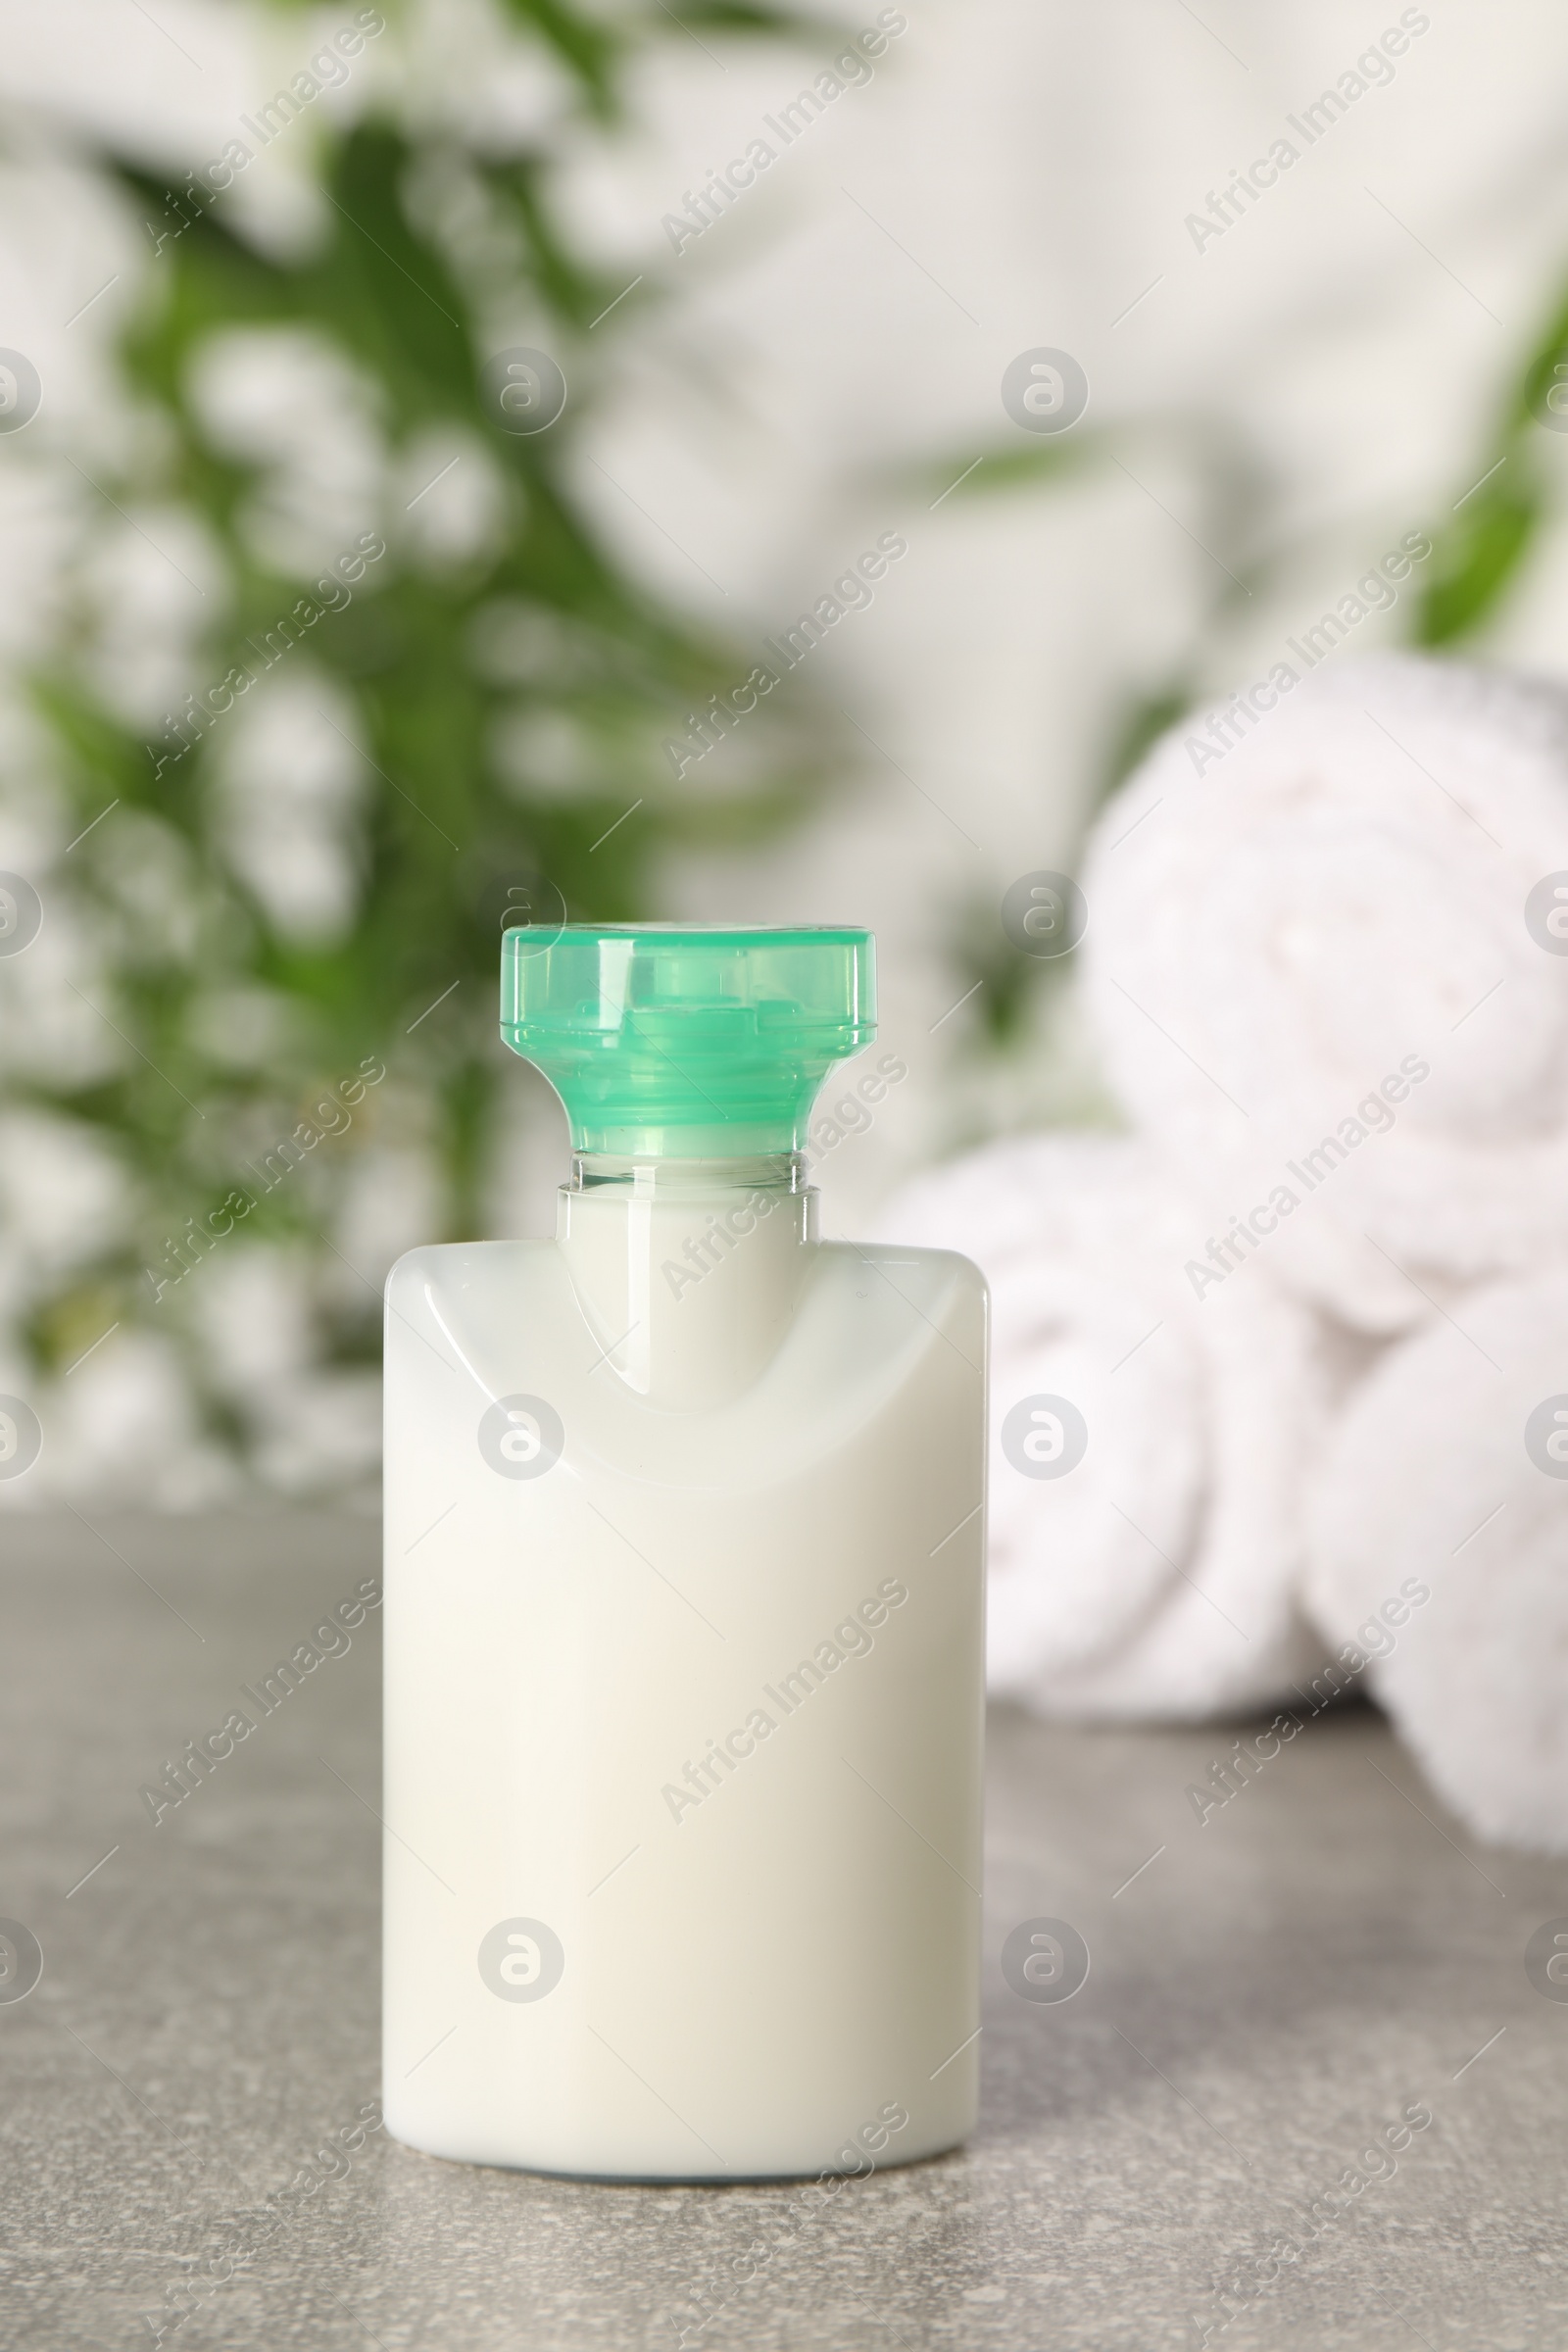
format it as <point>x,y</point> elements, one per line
<point>671,1179</point>
<point>687,1271</point>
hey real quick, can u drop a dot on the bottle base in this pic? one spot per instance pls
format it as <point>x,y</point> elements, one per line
<point>609,2176</point>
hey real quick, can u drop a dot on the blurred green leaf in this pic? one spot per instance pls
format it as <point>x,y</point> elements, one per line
<point>1009,466</point>
<point>1474,564</point>
<point>1137,726</point>
<point>1480,551</point>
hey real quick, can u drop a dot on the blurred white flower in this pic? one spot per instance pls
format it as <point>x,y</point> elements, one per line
<point>243,1028</point>
<point>72,265</point>
<point>513,643</point>
<point>449,503</point>
<point>467,70</point>
<point>249,1303</point>
<point>154,583</point>
<point>287,401</point>
<point>64,1197</point>
<point>325,1433</point>
<point>57,1021</point>
<point>149,888</point>
<point>122,1426</point>
<point>252,1304</point>
<point>292,774</point>
<point>391,1202</point>
<point>545,754</point>
<point>42,520</point>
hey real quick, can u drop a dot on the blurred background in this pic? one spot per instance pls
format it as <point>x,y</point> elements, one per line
<point>333,637</point>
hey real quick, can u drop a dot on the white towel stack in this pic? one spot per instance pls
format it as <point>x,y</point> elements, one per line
<point>1153,1571</point>
<point>1310,970</point>
<point>1329,974</point>
<point>1448,1477</point>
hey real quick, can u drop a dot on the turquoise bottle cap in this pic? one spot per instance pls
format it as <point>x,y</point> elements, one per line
<point>665,1042</point>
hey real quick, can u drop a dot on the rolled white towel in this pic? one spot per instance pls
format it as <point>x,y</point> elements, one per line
<point>1148,1447</point>
<point>1439,1555</point>
<point>1330,973</point>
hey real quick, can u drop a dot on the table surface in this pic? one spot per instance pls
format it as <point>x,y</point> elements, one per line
<point>1178,2148</point>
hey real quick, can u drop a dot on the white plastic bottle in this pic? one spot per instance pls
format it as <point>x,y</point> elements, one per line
<point>683,1613</point>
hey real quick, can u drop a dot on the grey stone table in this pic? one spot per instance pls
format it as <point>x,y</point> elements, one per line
<point>1211,2141</point>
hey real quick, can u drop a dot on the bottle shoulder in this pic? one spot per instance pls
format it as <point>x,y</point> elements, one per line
<point>439,1261</point>
<point>882,1341</point>
<point>944,1265</point>
<point>517,1260</point>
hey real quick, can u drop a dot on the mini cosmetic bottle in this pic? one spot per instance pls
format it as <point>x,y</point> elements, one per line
<point>683,1613</point>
